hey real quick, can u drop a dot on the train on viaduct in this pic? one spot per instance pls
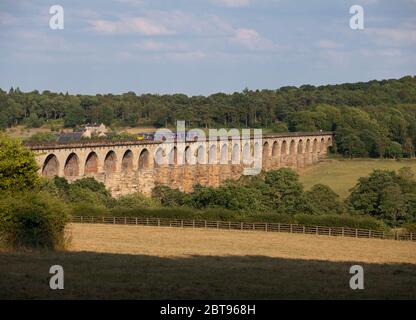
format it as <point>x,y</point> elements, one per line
<point>137,166</point>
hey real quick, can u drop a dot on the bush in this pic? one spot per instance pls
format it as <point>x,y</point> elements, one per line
<point>40,137</point>
<point>410,227</point>
<point>32,220</point>
<point>18,167</point>
<point>323,200</point>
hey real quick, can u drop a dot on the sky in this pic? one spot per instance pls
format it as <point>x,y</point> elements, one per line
<point>200,47</point>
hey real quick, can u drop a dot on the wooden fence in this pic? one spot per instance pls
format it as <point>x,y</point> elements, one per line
<point>256,226</point>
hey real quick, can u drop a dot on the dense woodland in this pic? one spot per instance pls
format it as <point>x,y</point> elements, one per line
<point>375,118</point>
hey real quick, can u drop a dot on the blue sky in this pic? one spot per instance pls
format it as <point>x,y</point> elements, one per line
<point>202,46</point>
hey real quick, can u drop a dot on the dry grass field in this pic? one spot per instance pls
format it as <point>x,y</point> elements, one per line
<point>114,261</point>
<point>342,174</point>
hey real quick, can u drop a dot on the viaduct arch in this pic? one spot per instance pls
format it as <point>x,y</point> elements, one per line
<point>132,166</point>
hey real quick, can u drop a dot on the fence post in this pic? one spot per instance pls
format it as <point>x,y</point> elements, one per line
<point>291,228</point>
<point>278,227</point>
<point>317,230</point>
<point>411,236</point>
<point>158,222</point>
<point>136,221</point>
<point>356,233</point>
<point>205,223</point>
<point>369,233</point>
<point>147,221</point>
<point>103,219</point>
<point>125,220</point>
<point>241,225</point>
<point>383,235</point>
<point>266,226</point>
<point>193,224</point>
<point>342,230</point>
<point>114,220</point>
<point>229,225</point>
<point>81,219</point>
<point>329,231</point>
<point>254,226</point>
<point>304,229</point>
<point>181,223</point>
<point>218,224</point>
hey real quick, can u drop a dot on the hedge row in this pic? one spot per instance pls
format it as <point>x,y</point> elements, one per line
<point>328,220</point>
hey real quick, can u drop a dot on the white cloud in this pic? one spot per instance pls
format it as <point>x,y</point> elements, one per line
<point>139,25</point>
<point>328,44</point>
<point>252,40</point>
<point>232,3</point>
<point>398,36</point>
<point>153,45</point>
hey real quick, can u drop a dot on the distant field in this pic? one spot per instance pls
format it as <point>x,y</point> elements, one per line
<point>111,261</point>
<point>342,175</point>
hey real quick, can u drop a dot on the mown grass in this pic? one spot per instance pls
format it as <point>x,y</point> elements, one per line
<point>342,174</point>
<point>129,262</point>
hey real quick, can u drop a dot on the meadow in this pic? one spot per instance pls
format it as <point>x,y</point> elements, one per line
<point>115,262</point>
<point>342,174</point>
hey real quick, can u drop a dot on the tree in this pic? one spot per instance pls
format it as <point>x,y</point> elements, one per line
<point>74,116</point>
<point>287,190</point>
<point>323,200</point>
<point>18,167</point>
<point>393,205</point>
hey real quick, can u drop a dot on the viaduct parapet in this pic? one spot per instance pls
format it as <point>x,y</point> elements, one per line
<point>136,166</point>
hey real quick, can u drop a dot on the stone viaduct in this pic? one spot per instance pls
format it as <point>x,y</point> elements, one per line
<point>131,166</point>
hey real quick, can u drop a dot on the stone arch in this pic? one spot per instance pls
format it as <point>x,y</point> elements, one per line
<point>213,154</point>
<point>224,154</point>
<point>292,147</point>
<point>284,148</point>
<point>127,162</point>
<point>266,150</point>
<point>201,155</point>
<point>308,146</point>
<point>315,146</point>
<point>235,157</point>
<point>322,145</point>
<point>91,164</point>
<point>300,146</point>
<point>144,159</point>
<point>173,156</point>
<point>50,167</point>
<point>275,149</point>
<point>159,155</point>
<point>71,168</point>
<point>110,162</point>
<point>246,152</point>
<point>189,158</point>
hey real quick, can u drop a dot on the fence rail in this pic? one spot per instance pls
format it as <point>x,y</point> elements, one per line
<point>254,226</point>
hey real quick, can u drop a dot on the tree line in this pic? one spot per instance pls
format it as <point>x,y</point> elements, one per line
<point>374,118</point>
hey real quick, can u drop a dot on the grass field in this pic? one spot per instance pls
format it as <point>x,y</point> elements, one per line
<point>110,261</point>
<point>341,175</point>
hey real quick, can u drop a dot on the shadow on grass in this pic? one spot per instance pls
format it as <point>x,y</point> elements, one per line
<point>90,275</point>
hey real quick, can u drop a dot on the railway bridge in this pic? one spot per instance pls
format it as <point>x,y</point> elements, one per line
<point>136,166</point>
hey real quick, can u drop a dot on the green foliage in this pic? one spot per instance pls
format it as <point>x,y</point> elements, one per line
<point>375,118</point>
<point>387,195</point>
<point>286,191</point>
<point>409,227</point>
<point>322,199</point>
<point>42,137</point>
<point>32,219</point>
<point>18,167</point>
<point>33,121</point>
<point>168,196</point>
